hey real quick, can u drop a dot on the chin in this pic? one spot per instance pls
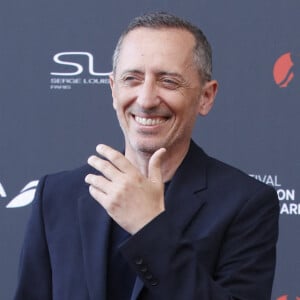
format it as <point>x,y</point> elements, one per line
<point>148,147</point>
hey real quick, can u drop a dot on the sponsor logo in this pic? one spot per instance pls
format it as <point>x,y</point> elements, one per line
<point>286,196</point>
<point>25,196</point>
<point>76,68</point>
<point>286,297</point>
<point>2,191</point>
<point>283,70</point>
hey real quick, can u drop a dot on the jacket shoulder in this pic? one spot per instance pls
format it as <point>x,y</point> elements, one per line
<point>64,186</point>
<point>225,177</point>
<point>67,178</point>
<point>228,173</point>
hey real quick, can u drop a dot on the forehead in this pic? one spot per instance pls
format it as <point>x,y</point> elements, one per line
<point>164,47</point>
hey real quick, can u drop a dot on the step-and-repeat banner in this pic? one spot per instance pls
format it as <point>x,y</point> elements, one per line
<point>55,103</point>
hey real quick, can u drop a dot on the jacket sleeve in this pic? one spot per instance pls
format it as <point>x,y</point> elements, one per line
<point>171,266</point>
<point>34,281</point>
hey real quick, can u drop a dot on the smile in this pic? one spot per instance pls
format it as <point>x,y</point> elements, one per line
<point>149,121</point>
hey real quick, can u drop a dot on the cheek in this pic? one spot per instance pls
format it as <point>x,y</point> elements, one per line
<point>184,107</point>
<point>120,109</point>
<point>117,102</point>
<point>188,115</point>
<point>122,99</point>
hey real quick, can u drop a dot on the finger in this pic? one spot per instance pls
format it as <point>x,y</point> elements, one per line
<point>99,196</point>
<point>154,168</point>
<point>98,182</point>
<point>103,166</point>
<point>115,157</point>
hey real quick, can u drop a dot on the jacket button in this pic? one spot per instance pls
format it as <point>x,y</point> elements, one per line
<point>154,282</point>
<point>138,261</point>
<point>143,268</point>
<point>148,276</point>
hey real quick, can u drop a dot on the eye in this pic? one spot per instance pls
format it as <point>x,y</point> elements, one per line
<point>169,83</point>
<point>130,80</point>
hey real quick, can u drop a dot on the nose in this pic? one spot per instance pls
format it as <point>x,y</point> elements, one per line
<point>148,94</point>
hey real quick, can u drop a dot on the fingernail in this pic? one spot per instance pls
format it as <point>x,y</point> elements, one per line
<point>86,179</point>
<point>89,160</point>
<point>99,148</point>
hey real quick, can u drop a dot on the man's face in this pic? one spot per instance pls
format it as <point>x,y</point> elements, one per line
<point>157,91</point>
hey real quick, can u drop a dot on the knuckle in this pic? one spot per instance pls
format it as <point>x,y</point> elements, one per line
<point>124,187</point>
<point>115,157</point>
<point>97,181</point>
<point>112,206</point>
<point>104,165</point>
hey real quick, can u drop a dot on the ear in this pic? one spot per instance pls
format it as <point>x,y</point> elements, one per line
<point>207,97</point>
<point>112,87</point>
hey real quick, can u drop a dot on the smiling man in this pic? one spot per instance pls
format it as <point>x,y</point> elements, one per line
<point>162,220</point>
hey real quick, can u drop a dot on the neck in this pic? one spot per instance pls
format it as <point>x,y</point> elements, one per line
<point>170,162</point>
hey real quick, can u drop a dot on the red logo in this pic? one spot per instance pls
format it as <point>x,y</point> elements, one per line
<point>285,297</point>
<point>283,71</point>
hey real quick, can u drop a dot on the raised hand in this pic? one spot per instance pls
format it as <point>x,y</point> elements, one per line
<point>129,197</point>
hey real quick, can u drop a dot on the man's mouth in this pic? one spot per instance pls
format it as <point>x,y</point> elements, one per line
<point>149,121</point>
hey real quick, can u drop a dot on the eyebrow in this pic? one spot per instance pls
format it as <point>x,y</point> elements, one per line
<point>131,71</point>
<point>172,74</point>
<point>158,73</point>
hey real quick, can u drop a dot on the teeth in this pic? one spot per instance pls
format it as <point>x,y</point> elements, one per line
<point>148,121</point>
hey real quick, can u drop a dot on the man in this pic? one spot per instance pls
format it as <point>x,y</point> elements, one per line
<point>161,220</point>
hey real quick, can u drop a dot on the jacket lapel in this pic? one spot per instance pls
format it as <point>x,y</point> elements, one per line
<point>94,230</point>
<point>184,196</point>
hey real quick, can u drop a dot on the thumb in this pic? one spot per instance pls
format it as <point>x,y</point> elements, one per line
<point>154,167</point>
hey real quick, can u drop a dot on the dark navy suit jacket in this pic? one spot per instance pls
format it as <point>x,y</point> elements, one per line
<point>215,241</point>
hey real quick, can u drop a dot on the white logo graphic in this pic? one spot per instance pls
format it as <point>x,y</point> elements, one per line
<point>25,197</point>
<point>79,68</point>
<point>2,191</point>
<point>65,81</point>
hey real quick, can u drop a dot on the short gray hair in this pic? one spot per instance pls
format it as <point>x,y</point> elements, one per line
<point>157,20</point>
